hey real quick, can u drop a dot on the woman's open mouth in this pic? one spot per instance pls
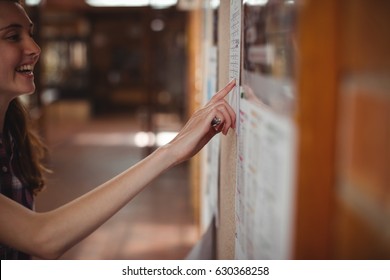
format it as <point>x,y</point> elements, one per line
<point>25,69</point>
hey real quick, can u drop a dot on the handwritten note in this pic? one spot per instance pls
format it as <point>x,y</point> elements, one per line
<point>235,52</point>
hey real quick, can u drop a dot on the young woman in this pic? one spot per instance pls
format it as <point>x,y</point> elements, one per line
<point>25,233</point>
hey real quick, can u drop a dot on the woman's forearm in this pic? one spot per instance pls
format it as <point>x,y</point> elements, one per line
<point>52,233</point>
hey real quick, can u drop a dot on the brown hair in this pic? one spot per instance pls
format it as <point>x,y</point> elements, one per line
<point>29,151</point>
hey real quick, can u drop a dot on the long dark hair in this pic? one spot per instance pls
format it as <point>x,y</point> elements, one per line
<point>28,149</point>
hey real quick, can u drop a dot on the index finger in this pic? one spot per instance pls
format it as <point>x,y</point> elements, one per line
<point>223,92</point>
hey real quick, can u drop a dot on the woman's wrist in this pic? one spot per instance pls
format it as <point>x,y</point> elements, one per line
<point>167,155</point>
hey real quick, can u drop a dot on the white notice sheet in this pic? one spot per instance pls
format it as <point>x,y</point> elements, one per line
<point>235,52</point>
<point>265,183</point>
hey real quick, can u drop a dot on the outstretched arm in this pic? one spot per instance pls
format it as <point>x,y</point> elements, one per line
<point>50,234</point>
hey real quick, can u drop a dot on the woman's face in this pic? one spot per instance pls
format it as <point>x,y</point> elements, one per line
<point>18,52</point>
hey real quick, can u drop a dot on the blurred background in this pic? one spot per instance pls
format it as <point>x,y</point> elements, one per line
<point>114,83</point>
<point>112,87</point>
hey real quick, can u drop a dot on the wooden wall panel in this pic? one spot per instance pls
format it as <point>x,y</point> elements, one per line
<point>317,98</point>
<point>362,221</point>
<point>226,226</point>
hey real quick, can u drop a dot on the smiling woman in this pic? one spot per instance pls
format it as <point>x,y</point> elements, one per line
<point>18,56</point>
<point>25,233</point>
<point>22,172</point>
<point>19,52</point>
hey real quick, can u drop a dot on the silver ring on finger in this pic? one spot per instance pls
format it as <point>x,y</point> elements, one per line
<point>215,121</point>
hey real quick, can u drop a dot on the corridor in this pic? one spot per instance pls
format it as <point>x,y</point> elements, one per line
<point>157,224</point>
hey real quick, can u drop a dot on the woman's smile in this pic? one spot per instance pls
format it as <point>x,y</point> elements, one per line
<point>26,70</point>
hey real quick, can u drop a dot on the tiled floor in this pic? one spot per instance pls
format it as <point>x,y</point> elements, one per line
<point>157,224</point>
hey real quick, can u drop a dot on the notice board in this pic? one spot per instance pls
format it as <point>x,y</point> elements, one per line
<point>304,175</point>
<point>258,159</point>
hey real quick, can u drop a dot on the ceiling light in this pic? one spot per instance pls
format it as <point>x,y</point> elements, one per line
<point>32,2</point>
<point>255,2</point>
<point>132,3</point>
<point>214,4</point>
<point>118,3</point>
<point>161,4</point>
